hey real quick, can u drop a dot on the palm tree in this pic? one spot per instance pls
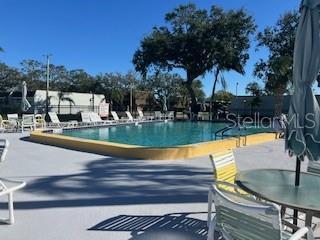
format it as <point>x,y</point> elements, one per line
<point>62,96</point>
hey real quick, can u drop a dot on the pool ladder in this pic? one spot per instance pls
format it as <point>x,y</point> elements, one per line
<point>238,136</point>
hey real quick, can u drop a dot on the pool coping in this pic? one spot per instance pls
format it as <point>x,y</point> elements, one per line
<point>151,153</point>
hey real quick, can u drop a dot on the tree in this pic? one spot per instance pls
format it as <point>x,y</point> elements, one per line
<point>164,86</point>
<point>254,90</point>
<point>9,77</point>
<point>223,96</point>
<point>63,96</point>
<point>276,70</point>
<point>235,28</point>
<point>197,88</point>
<point>34,73</point>
<point>191,41</point>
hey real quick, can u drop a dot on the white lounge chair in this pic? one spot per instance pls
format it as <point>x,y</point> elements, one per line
<point>131,119</point>
<point>144,118</point>
<point>55,122</point>
<point>28,121</point>
<point>116,117</point>
<point>94,117</point>
<point>242,217</point>
<point>7,186</point>
<point>86,119</point>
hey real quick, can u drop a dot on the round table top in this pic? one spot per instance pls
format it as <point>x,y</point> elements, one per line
<point>277,186</point>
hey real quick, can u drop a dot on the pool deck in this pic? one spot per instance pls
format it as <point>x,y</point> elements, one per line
<point>77,195</point>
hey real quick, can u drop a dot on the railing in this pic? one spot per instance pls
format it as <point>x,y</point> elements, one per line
<point>241,129</point>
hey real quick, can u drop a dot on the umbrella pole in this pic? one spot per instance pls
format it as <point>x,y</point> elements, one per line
<point>298,169</point>
<point>297,183</point>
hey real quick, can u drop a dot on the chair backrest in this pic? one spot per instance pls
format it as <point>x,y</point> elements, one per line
<point>94,117</point>
<point>140,113</point>
<point>224,166</point>
<point>13,116</point>
<point>115,115</point>
<point>314,167</point>
<point>242,218</point>
<point>4,146</point>
<point>171,114</point>
<point>129,115</point>
<point>28,119</point>
<point>53,117</point>
<point>85,116</point>
<point>157,114</point>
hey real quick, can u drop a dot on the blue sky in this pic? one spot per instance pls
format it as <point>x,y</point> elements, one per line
<point>101,36</point>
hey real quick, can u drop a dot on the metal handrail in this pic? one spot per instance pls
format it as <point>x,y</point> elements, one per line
<point>225,129</point>
<point>222,131</point>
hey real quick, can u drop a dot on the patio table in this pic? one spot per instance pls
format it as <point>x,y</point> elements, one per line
<point>277,186</point>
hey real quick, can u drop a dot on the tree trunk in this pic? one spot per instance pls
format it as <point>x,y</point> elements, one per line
<point>212,105</point>
<point>191,93</point>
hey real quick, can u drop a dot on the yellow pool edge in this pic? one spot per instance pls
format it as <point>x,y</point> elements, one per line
<point>141,152</point>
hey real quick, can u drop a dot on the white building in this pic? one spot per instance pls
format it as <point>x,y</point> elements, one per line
<point>60,102</point>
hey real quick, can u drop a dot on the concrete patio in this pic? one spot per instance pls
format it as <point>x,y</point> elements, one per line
<point>76,195</point>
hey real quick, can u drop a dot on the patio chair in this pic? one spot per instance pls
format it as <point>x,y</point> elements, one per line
<point>94,117</point>
<point>131,119</point>
<point>5,125</point>
<point>182,116</point>
<point>241,217</point>
<point>55,122</point>
<point>7,186</point>
<point>224,166</point>
<point>170,115</point>
<point>142,117</point>
<point>314,167</point>
<point>158,115</point>
<point>13,120</point>
<point>28,121</point>
<point>116,117</point>
<point>86,119</point>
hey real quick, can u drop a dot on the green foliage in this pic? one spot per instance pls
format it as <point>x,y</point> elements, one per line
<point>223,96</point>
<point>276,70</point>
<point>197,41</point>
<point>256,91</point>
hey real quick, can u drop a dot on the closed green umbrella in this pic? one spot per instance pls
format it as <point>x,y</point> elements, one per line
<point>303,131</point>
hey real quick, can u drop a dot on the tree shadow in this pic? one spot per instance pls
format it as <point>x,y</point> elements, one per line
<point>173,226</point>
<point>113,181</point>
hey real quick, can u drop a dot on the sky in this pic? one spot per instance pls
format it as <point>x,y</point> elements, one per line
<point>102,35</point>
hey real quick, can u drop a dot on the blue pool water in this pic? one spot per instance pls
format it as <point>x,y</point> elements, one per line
<point>159,134</point>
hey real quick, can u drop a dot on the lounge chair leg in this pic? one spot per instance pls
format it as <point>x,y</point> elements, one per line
<point>10,207</point>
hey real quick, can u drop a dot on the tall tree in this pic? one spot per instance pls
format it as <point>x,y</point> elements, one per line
<point>276,70</point>
<point>191,41</point>
<point>164,86</point>
<point>9,77</point>
<point>234,30</point>
<point>254,89</point>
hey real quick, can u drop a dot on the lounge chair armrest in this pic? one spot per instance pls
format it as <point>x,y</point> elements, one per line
<point>301,232</point>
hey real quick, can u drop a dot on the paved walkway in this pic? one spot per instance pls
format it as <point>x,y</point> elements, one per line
<point>76,195</point>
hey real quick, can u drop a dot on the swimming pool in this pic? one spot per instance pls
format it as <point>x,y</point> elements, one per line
<point>156,140</point>
<point>159,134</point>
